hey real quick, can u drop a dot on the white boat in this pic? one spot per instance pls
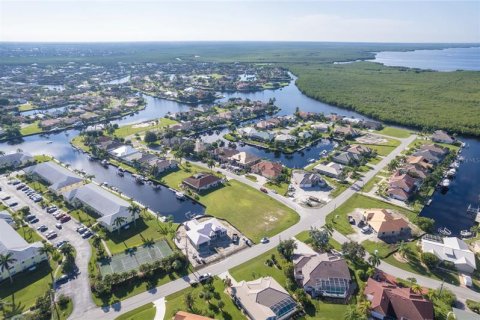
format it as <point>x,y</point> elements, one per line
<point>444,231</point>
<point>157,187</point>
<point>465,233</point>
<point>446,183</point>
<point>105,184</point>
<point>460,158</point>
<point>49,142</point>
<point>120,172</point>
<point>311,160</point>
<point>139,179</point>
<point>429,202</point>
<point>104,163</point>
<point>451,172</point>
<point>179,195</point>
<point>115,189</point>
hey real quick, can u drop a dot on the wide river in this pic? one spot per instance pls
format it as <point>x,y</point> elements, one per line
<point>447,209</point>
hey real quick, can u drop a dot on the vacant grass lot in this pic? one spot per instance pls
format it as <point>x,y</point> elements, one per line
<point>414,263</point>
<point>130,129</point>
<point>254,213</point>
<point>281,188</point>
<point>31,129</point>
<point>176,302</point>
<point>26,287</point>
<point>395,132</point>
<point>145,312</point>
<point>26,107</point>
<point>359,201</point>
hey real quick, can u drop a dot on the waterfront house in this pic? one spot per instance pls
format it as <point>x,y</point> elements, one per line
<point>261,136</point>
<point>372,125</point>
<point>102,203</point>
<point>305,179</point>
<point>244,159</point>
<point>286,139</point>
<point>389,301</point>
<point>346,158</point>
<point>402,181</point>
<point>26,254</point>
<point>359,150</point>
<point>442,137</point>
<point>268,169</point>
<point>263,299</point>
<point>202,234</point>
<point>398,194</point>
<point>331,169</point>
<point>323,274</point>
<point>202,181</point>
<point>224,154</point>
<point>451,249</point>
<point>58,178</point>
<point>414,171</point>
<point>419,162</point>
<point>122,151</point>
<point>15,160</point>
<point>434,148</point>
<point>346,132</point>
<point>182,315</point>
<point>385,225</point>
<point>320,127</point>
<point>428,156</point>
<point>163,165</point>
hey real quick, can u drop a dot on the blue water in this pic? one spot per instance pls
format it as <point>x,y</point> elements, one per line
<point>440,60</point>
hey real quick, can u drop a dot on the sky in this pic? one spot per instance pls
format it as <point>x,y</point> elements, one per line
<point>228,20</point>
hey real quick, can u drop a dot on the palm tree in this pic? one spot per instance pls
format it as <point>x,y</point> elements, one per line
<point>6,260</point>
<point>3,304</point>
<point>134,210</point>
<point>47,250</point>
<point>351,313</point>
<point>416,288</point>
<point>118,222</point>
<point>402,249</point>
<point>328,228</point>
<point>67,250</point>
<point>364,307</point>
<point>374,260</point>
<point>189,300</point>
<point>210,164</point>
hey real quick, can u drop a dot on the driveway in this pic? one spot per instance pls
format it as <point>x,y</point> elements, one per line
<point>78,288</point>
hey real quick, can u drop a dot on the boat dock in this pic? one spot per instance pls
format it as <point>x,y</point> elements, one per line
<point>474,212</point>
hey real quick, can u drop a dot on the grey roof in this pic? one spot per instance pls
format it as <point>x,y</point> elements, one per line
<point>105,203</point>
<point>11,241</point>
<point>14,159</point>
<point>56,175</point>
<point>321,266</point>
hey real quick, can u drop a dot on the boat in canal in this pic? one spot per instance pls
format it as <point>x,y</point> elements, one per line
<point>139,178</point>
<point>466,233</point>
<point>445,183</point>
<point>452,172</point>
<point>179,195</point>
<point>444,231</point>
<point>104,163</point>
<point>120,172</point>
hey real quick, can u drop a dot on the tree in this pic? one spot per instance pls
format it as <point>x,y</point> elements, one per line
<point>286,248</point>
<point>364,308</point>
<point>374,260</point>
<point>150,137</point>
<point>189,300</point>
<point>3,304</point>
<point>221,305</point>
<point>426,224</point>
<point>134,210</point>
<point>416,288</point>
<point>210,163</point>
<point>6,261</point>
<point>67,250</point>
<point>402,249</point>
<point>118,222</point>
<point>430,260</point>
<point>320,238</point>
<point>352,313</point>
<point>353,251</point>
<point>207,295</point>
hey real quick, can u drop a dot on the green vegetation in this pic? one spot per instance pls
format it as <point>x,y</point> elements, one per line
<point>394,132</point>
<point>281,188</point>
<point>26,107</point>
<point>255,214</point>
<point>145,312</point>
<point>209,300</point>
<point>411,261</point>
<point>371,183</point>
<point>63,311</point>
<point>130,129</point>
<point>251,177</point>
<point>341,223</point>
<point>338,186</point>
<point>304,236</point>
<point>31,129</point>
<point>26,287</point>
<point>423,99</point>
<point>29,234</point>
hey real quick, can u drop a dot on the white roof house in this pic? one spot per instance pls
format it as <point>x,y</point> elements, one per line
<point>451,249</point>
<point>331,169</point>
<point>123,151</point>
<point>7,217</point>
<point>57,177</point>
<point>26,254</point>
<point>285,138</point>
<point>201,233</point>
<point>102,202</point>
<point>15,159</point>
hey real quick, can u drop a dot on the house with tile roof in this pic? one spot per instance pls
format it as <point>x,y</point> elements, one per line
<point>323,274</point>
<point>202,234</point>
<point>388,301</point>
<point>268,169</point>
<point>330,169</point>
<point>442,137</point>
<point>244,159</point>
<point>264,299</point>
<point>202,181</point>
<point>182,315</point>
<point>385,225</point>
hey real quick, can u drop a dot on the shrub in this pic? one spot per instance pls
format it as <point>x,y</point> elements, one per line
<point>474,306</point>
<point>430,260</point>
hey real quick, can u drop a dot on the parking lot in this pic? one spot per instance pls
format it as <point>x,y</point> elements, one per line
<point>78,283</point>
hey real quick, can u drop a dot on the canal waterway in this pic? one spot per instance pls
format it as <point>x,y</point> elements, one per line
<point>447,209</point>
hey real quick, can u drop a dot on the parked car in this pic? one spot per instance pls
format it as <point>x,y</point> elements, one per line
<point>365,229</point>
<point>264,240</point>
<point>20,186</point>
<point>87,234</point>
<point>42,228</point>
<point>81,229</point>
<point>52,235</point>
<point>204,277</point>
<point>58,225</point>
<point>34,221</point>
<point>30,217</point>
<point>60,244</point>
<point>66,218</point>
<point>51,209</point>
<point>62,279</point>
<point>59,216</point>
<point>351,220</point>
<point>263,190</point>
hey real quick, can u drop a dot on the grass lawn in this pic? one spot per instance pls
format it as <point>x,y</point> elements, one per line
<point>359,201</point>
<point>78,142</point>
<point>148,228</point>
<point>31,129</point>
<point>29,234</point>
<point>145,312</point>
<point>304,236</point>
<point>26,287</point>
<point>413,265</point>
<point>42,158</point>
<point>338,187</point>
<point>64,313</point>
<point>26,107</point>
<point>176,302</point>
<point>251,177</point>
<point>395,132</point>
<point>255,214</point>
<point>130,129</point>
<point>82,217</point>
<point>281,188</point>
<point>371,183</point>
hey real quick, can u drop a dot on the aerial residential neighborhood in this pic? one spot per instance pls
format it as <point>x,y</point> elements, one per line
<point>257,160</point>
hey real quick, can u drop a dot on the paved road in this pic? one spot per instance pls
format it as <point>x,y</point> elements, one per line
<point>78,288</point>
